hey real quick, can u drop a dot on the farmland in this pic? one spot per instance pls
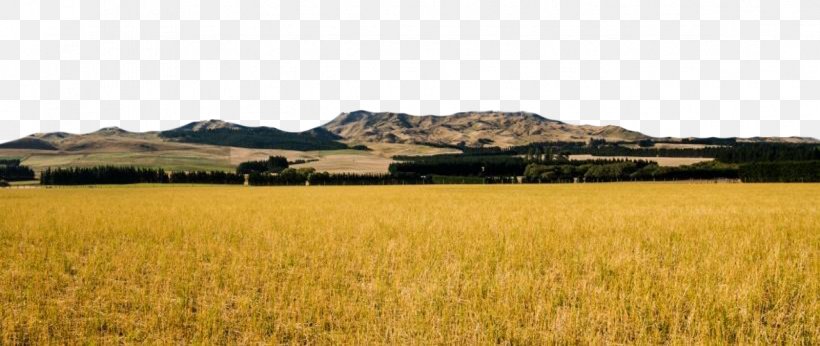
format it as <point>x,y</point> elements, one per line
<point>204,157</point>
<point>531,264</point>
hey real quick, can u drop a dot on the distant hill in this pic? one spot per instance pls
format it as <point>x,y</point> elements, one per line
<point>211,132</point>
<point>106,140</point>
<point>469,129</point>
<point>32,143</point>
<point>216,132</point>
<point>474,129</point>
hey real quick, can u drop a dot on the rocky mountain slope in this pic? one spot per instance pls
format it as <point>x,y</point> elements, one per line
<point>469,128</point>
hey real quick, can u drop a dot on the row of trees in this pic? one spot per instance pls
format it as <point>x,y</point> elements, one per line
<point>301,161</point>
<point>325,178</point>
<point>289,176</point>
<point>780,171</point>
<point>699,171</point>
<point>792,171</point>
<point>12,170</point>
<point>309,176</point>
<point>104,175</point>
<point>784,171</point>
<point>274,164</point>
<point>544,165</point>
<point>449,179</point>
<point>461,165</point>
<point>585,171</point>
<point>769,152</point>
<point>10,162</point>
<point>202,177</point>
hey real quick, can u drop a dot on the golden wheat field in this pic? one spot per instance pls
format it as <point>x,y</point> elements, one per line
<point>604,263</point>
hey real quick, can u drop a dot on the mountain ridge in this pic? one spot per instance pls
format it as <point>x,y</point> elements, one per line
<point>487,128</point>
<point>470,129</point>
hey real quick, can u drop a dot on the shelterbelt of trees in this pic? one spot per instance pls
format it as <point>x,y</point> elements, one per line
<point>461,165</point>
<point>624,170</point>
<point>12,170</point>
<point>274,164</point>
<point>133,175</point>
<point>309,176</point>
<point>105,175</point>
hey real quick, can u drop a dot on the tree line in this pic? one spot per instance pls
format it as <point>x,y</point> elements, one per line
<point>12,170</point>
<point>325,178</point>
<point>737,153</point>
<point>556,172</point>
<point>105,175</point>
<point>450,179</point>
<point>10,162</point>
<point>769,152</point>
<point>209,177</point>
<point>102,175</point>
<point>274,164</point>
<point>753,172</point>
<point>625,170</point>
<point>309,176</point>
<point>784,171</point>
<point>288,176</point>
<point>461,165</point>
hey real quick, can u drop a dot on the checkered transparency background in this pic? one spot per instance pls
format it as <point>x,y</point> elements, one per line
<point>663,67</point>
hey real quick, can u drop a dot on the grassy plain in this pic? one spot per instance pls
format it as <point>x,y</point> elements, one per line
<point>619,263</point>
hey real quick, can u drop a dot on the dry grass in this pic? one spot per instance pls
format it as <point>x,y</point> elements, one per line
<point>620,263</point>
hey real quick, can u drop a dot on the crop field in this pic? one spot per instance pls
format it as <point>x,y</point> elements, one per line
<point>516,264</point>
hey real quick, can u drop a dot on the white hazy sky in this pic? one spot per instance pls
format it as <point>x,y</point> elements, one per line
<point>663,67</point>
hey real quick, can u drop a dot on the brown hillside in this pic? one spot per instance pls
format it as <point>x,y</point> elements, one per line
<point>469,128</point>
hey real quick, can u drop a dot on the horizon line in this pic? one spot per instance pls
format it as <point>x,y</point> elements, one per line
<point>239,122</point>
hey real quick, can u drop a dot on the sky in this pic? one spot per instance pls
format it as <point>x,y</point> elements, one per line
<point>663,67</point>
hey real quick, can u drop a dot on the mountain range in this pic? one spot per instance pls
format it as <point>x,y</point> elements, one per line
<point>468,129</point>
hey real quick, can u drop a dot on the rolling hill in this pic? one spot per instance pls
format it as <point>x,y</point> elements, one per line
<point>472,129</point>
<point>211,132</point>
<point>216,132</point>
